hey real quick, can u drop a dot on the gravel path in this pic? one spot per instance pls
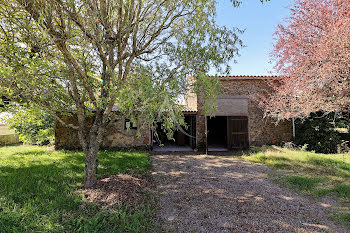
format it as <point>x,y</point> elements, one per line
<point>199,193</point>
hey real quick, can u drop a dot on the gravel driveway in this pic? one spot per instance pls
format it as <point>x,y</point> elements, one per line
<point>199,193</point>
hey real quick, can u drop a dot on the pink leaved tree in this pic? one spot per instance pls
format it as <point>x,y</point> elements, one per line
<point>312,54</point>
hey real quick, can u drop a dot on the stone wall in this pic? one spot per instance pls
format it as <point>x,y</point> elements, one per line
<point>261,131</point>
<point>237,99</point>
<point>115,136</point>
<point>190,96</point>
<point>9,139</point>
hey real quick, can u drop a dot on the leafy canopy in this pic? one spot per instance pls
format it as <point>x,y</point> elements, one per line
<point>312,53</point>
<point>71,54</point>
<point>32,125</point>
<point>89,57</point>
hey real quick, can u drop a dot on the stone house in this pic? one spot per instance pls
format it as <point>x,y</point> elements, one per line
<point>117,135</point>
<point>238,123</point>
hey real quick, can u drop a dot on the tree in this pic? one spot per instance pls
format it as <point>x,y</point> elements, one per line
<point>312,55</point>
<point>31,124</point>
<point>317,133</point>
<point>86,56</point>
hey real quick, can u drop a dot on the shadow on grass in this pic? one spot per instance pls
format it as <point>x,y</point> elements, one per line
<point>131,162</point>
<point>34,197</point>
<point>38,192</point>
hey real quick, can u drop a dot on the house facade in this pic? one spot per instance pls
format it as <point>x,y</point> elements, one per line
<point>117,135</point>
<point>238,123</point>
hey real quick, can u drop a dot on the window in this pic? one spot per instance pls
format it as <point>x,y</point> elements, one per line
<point>129,125</point>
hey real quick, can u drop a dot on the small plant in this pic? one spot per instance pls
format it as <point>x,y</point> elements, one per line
<point>343,147</point>
<point>304,147</point>
<point>289,145</point>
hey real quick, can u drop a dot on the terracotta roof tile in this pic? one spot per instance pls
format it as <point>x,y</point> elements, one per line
<point>249,77</point>
<point>187,108</point>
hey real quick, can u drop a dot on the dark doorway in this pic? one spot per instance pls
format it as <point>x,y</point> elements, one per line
<point>182,141</point>
<point>217,133</point>
<point>238,132</point>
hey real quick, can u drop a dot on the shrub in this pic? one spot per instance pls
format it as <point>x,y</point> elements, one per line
<point>318,134</point>
<point>33,126</point>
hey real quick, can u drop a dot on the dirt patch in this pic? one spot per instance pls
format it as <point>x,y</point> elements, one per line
<point>117,190</point>
<point>199,193</point>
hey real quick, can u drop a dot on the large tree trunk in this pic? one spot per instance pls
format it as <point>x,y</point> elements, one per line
<point>91,151</point>
<point>91,165</point>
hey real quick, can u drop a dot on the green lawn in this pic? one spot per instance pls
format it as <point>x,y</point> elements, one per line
<point>5,131</point>
<point>38,192</point>
<point>316,175</point>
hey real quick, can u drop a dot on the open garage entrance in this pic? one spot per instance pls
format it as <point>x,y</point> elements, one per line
<point>217,133</point>
<point>183,141</point>
<point>227,132</point>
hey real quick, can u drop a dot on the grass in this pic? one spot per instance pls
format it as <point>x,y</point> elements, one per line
<point>316,175</point>
<point>38,192</point>
<point>302,182</point>
<point>5,131</point>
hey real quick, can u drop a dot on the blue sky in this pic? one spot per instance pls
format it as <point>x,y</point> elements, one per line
<point>259,21</point>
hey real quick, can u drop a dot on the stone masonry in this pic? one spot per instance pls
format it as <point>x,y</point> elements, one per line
<point>237,99</point>
<point>116,136</point>
<point>240,89</point>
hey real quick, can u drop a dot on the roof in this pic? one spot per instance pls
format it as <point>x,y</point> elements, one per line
<point>188,109</point>
<point>115,108</point>
<point>248,77</point>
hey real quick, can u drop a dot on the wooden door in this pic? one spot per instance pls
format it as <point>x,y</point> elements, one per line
<point>237,132</point>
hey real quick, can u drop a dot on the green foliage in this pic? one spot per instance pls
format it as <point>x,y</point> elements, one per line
<point>34,126</point>
<point>38,192</point>
<point>318,133</point>
<point>209,88</point>
<point>35,69</point>
<point>3,102</point>
<point>72,55</point>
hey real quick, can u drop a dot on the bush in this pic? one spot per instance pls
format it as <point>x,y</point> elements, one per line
<point>33,126</point>
<point>318,133</point>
